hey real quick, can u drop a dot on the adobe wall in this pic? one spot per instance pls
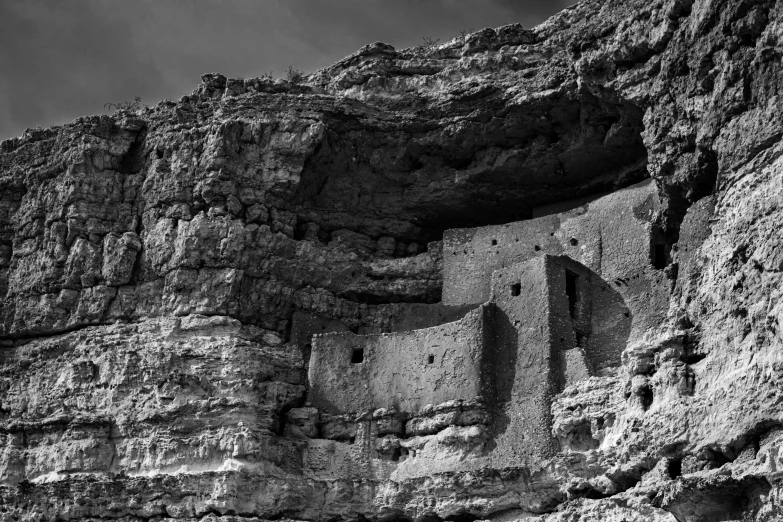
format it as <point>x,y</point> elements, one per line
<point>613,236</point>
<point>405,370</point>
<point>397,317</point>
<point>551,322</point>
<point>414,316</point>
<point>593,336</point>
<point>546,333</point>
<point>522,361</point>
<point>571,331</point>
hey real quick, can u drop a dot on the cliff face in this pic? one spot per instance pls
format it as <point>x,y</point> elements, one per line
<point>162,273</point>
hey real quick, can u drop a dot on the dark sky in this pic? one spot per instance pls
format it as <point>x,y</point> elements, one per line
<point>62,59</point>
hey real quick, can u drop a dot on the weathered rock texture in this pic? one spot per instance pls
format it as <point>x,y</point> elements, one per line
<point>162,274</point>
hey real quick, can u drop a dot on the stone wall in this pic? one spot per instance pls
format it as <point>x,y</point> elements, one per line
<point>404,371</point>
<point>523,362</point>
<point>592,317</point>
<point>555,323</point>
<point>550,322</point>
<point>396,317</point>
<point>614,236</point>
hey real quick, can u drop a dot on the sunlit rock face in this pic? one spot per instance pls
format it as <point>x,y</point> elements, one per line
<point>530,273</point>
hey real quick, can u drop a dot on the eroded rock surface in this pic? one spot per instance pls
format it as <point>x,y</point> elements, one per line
<point>163,273</point>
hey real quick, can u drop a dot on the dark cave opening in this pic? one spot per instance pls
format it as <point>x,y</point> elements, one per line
<point>514,168</point>
<point>282,419</point>
<point>659,256</point>
<point>584,150</point>
<point>609,155</point>
<point>133,160</point>
<point>515,206</point>
<point>674,468</point>
<point>646,397</point>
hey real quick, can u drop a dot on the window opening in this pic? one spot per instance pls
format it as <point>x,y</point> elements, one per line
<point>357,356</point>
<point>430,359</point>
<point>516,289</point>
<point>571,291</point>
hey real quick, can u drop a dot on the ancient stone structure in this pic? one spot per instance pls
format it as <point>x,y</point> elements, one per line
<point>552,253</point>
<point>548,322</point>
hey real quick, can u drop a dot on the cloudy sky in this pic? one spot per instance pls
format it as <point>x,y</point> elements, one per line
<point>62,59</point>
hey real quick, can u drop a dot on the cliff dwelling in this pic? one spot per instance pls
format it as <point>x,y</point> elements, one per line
<point>544,303</point>
<point>523,274</point>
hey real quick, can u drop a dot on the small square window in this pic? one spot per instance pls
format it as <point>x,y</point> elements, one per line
<point>494,242</point>
<point>357,356</point>
<point>516,289</point>
<point>430,359</point>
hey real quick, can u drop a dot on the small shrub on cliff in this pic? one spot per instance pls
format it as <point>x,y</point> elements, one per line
<point>294,76</point>
<point>125,105</point>
<point>429,42</point>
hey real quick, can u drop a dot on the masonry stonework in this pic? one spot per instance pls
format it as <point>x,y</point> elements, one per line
<point>527,312</point>
<point>524,360</point>
<point>405,371</point>
<point>614,236</point>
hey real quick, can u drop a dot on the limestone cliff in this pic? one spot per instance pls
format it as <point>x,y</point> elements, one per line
<point>166,274</point>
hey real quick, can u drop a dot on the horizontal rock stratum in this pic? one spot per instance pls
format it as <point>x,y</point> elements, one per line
<point>527,274</point>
